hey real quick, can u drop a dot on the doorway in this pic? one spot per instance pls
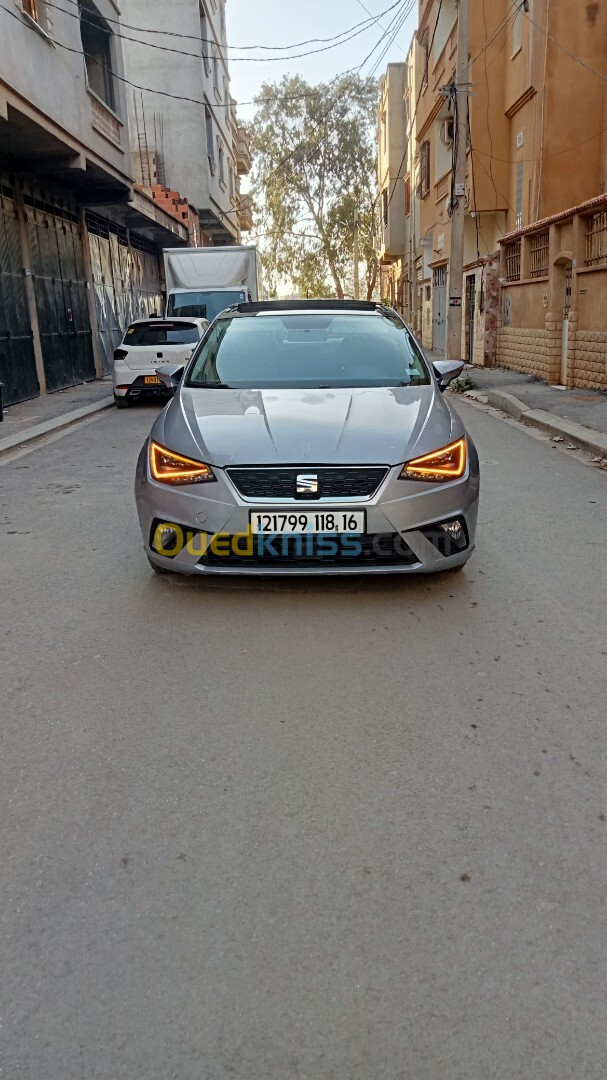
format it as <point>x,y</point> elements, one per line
<point>470,313</point>
<point>565,325</point>
<point>439,309</point>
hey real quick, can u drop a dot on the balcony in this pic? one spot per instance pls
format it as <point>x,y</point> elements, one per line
<point>105,121</point>
<point>245,214</point>
<point>242,153</point>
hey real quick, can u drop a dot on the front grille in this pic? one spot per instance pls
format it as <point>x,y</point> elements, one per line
<point>377,549</point>
<point>333,483</point>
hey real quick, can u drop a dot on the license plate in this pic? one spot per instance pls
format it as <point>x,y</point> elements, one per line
<point>313,521</point>
<point>151,380</point>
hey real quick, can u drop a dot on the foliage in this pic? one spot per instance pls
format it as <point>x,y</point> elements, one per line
<point>462,385</point>
<point>314,154</point>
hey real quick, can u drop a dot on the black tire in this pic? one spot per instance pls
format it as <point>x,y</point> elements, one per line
<point>158,569</point>
<point>122,402</point>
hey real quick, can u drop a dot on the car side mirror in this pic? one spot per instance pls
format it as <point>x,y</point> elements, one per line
<point>446,371</point>
<point>170,375</point>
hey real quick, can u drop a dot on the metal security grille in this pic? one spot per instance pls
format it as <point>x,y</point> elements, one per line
<point>60,287</point>
<point>513,261</point>
<point>596,239</point>
<point>126,279</point>
<point>334,483</point>
<point>17,362</point>
<point>539,254</point>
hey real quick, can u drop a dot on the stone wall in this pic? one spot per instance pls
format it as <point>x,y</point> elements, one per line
<point>589,359</point>
<point>530,351</point>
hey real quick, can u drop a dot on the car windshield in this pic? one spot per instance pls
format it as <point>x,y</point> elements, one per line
<point>162,333</point>
<point>301,350</point>
<point>203,305</point>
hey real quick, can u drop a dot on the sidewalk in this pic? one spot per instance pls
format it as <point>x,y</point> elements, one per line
<point>32,419</point>
<point>578,416</point>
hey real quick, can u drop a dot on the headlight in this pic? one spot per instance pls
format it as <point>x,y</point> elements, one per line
<point>170,468</point>
<point>446,464</point>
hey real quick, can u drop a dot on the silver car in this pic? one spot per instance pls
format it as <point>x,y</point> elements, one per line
<point>308,437</point>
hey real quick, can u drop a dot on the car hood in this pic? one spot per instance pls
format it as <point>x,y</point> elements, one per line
<point>337,426</point>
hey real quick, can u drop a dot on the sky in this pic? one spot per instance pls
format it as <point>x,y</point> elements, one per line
<point>275,23</point>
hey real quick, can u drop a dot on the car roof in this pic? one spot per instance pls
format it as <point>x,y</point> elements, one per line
<point>310,307</point>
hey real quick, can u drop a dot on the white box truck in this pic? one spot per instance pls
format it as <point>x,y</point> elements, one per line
<point>201,282</point>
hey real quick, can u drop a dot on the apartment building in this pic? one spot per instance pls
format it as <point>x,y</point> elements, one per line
<point>400,265</point>
<point>553,310</point>
<point>534,159</point>
<point>79,247</point>
<point>184,125</point>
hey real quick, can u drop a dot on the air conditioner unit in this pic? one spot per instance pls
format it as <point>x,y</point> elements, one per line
<point>447,132</point>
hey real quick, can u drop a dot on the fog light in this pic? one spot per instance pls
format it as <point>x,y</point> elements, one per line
<point>455,532</point>
<point>168,539</point>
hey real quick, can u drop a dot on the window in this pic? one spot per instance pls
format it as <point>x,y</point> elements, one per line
<point>159,333</point>
<point>35,10</point>
<point>221,156</point>
<point>205,41</point>
<point>384,205</point>
<point>96,38</point>
<point>222,16</point>
<point>305,350</point>
<point>424,162</point>
<point>408,195</point>
<point>208,120</point>
<point>425,55</point>
<point>226,91</point>
<point>231,180</point>
<point>520,168</point>
<point>215,71</point>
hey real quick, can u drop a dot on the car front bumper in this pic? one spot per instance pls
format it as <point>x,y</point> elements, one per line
<point>407,509</point>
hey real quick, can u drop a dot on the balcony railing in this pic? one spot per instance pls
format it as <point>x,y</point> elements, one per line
<point>105,121</point>
<point>539,254</point>
<point>245,214</point>
<point>513,261</point>
<point>243,153</point>
<point>596,239</point>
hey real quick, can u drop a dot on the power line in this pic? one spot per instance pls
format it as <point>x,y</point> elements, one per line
<point>421,89</point>
<point>232,59</point>
<point>212,41</point>
<point>365,8</point>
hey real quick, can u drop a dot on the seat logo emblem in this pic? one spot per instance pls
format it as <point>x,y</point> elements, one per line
<point>307,484</point>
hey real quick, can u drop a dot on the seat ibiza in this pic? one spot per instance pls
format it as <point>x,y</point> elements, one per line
<point>308,437</point>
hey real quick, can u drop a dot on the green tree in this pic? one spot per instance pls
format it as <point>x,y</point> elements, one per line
<point>314,154</point>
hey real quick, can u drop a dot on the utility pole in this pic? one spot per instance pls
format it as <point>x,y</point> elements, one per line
<point>458,201</point>
<point>356,259</point>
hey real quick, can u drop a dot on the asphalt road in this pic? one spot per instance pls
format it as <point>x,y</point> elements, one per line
<point>333,831</point>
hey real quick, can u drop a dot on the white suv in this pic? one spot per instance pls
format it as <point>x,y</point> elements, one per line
<point>147,344</point>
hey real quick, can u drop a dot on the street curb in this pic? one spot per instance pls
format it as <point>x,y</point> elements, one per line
<point>49,427</point>
<point>585,437</point>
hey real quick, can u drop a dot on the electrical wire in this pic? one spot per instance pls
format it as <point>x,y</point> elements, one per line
<point>240,48</point>
<point>232,59</point>
<point>421,89</point>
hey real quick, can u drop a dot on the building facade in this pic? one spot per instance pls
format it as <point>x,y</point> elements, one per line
<point>184,128</point>
<point>79,247</point>
<point>532,154</point>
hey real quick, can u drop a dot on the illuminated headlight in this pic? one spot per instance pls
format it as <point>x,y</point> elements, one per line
<point>170,468</point>
<point>448,463</point>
